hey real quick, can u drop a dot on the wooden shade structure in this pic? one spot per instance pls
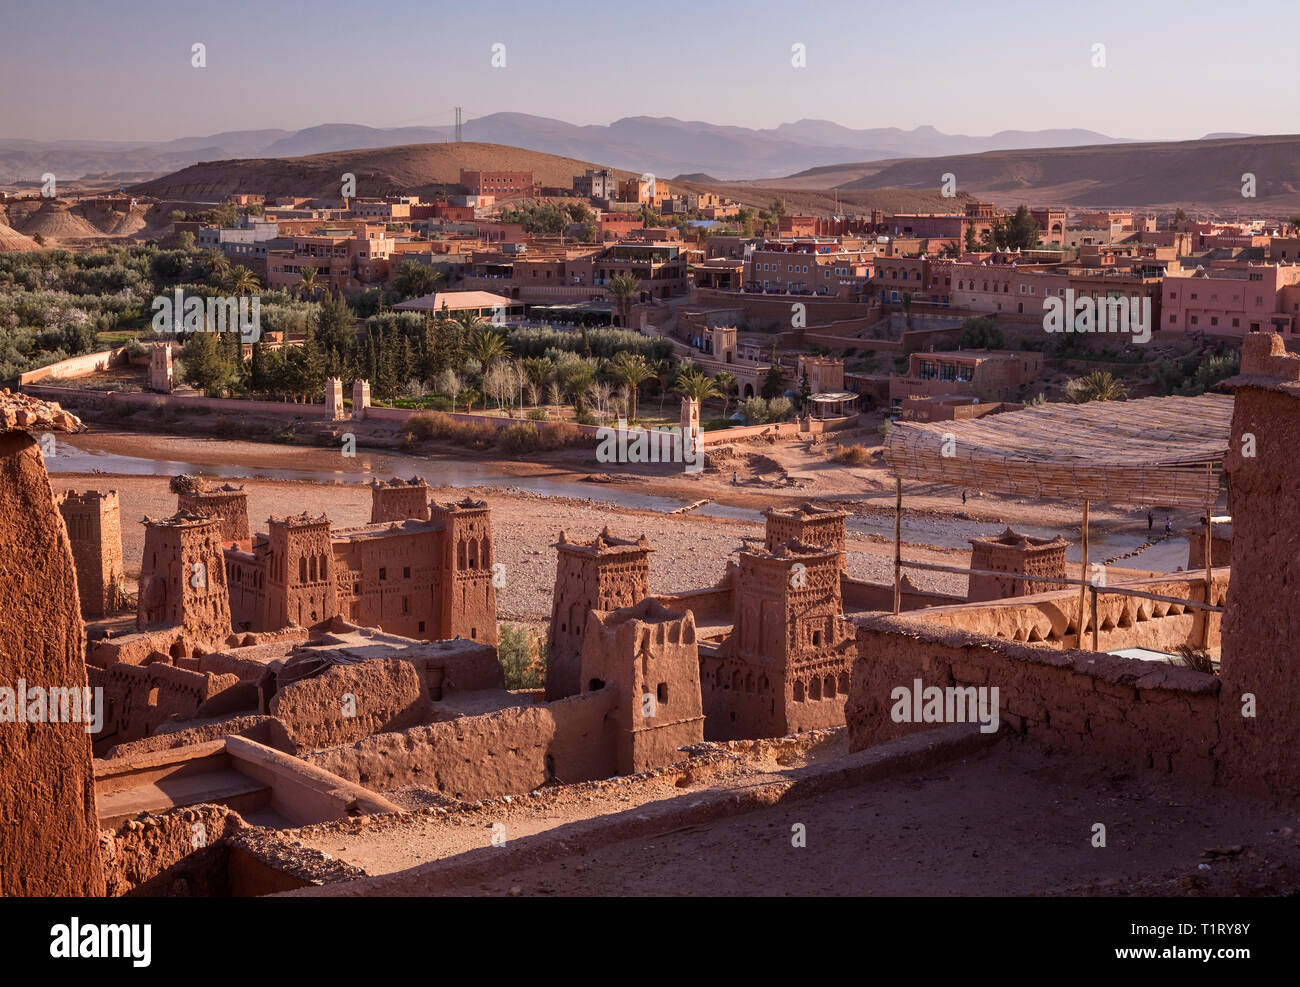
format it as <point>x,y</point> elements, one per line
<point>1150,451</point>
<point>1146,452</point>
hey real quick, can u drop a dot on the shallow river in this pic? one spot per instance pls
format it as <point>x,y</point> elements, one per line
<point>81,455</point>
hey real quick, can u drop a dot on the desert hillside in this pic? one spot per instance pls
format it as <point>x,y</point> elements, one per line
<point>379,171</point>
<point>1202,173</point>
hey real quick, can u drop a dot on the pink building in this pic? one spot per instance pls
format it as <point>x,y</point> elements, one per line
<point>1232,301</point>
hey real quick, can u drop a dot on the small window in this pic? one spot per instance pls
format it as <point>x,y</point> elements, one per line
<point>662,692</point>
<point>406,572</point>
<point>383,573</point>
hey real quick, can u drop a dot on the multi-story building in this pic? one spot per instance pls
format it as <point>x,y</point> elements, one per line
<point>425,579</point>
<point>990,375</point>
<point>808,266</point>
<point>596,183</point>
<point>1232,300</point>
<point>502,184</point>
<point>344,262</point>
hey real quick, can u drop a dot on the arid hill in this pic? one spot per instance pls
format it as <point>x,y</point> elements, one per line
<point>379,171</point>
<point>1204,174</point>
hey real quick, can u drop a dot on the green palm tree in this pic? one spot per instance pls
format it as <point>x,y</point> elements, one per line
<point>625,288</point>
<point>1096,386</point>
<point>539,371</point>
<point>632,371</point>
<point>486,346</point>
<point>727,386</point>
<point>241,281</point>
<point>415,280</point>
<point>470,323</point>
<point>308,282</point>
<point>219,263</point>
<point>697,386</point>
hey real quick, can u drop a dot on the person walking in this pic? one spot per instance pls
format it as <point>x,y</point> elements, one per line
<point>1150,520</point>
<point>1169,527</point>
<point>963,496</point>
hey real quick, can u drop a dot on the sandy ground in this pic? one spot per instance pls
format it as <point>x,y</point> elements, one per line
<point>691,551</point>
<point>1011,819</point>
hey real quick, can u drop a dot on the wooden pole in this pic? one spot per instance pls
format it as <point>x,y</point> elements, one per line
<point>1096,629</point>
<point>1083,590</point>
<point>898,545</point>
<point>1209,542</point>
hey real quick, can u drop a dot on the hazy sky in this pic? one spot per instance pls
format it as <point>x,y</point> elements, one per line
<point>120,69</point>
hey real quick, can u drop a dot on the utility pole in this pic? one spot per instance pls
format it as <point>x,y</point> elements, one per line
<point>458,123</point>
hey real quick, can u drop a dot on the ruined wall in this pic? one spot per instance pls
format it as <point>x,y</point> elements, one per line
<point>94,524</point>
<point>1146,714</point>
<point>509,752</point>
<point>858,594</point>
<point>227,504</point>
<point>48,823</point>
<point>262,729</point>
<point>177,854</point>
<point>140,698</point>
<point>348,702</point>
<point>1123,621</point>
<point>1260,668</point>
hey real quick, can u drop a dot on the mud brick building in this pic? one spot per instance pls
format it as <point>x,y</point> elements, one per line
<point>94,523</point>
<point>1014,553</point>
<point>606,573</point>
<point>226,502</point>
<point>427,579</point>
<point>784,668</point>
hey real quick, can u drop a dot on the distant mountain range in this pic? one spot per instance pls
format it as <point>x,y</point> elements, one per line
<point>662,145</point>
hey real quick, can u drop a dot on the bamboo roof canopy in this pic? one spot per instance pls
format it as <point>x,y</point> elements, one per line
<point>1149,451</point>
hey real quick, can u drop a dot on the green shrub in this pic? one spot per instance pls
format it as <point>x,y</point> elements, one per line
<point>515,651</point>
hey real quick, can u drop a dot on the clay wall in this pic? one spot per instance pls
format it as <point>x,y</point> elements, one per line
<point>1124,621</point>
<point>177,854</point>
<point>399,500</point>
<point>1261,677</point>
<point>1145,714</point>
<point>140,698</point>
<point>49,837</point>
<point>230,506</point>
<point>858,594</point>
<point>649,653</point>
<point>509,752</point>
<point>717,601</point>
<point>348,702</point>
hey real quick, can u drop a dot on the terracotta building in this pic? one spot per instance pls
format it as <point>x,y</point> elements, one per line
<point>606,573</point>
<point>227,502</point>
<point>1024,555</point>
<point>183,578</point>
<point>94,524</point>
<point>784,668</point>
<point>428,579</point>
<point>648,653</point>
